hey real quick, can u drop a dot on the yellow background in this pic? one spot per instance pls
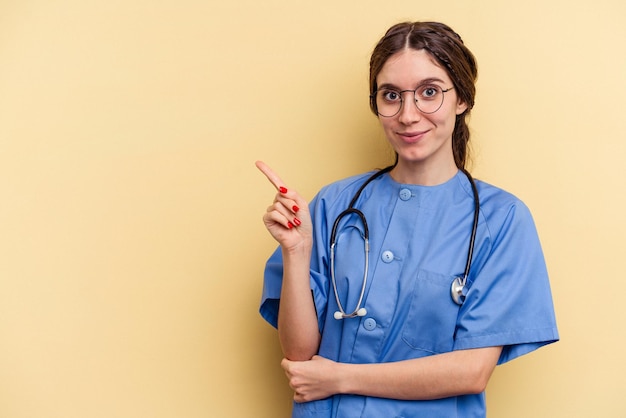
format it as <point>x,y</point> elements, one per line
<point>131,242</point>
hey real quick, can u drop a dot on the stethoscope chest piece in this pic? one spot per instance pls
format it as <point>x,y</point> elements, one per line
<point>456,290</point>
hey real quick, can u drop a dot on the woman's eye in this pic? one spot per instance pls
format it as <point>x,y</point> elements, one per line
<point>391,96</point>
<point>428,92</point>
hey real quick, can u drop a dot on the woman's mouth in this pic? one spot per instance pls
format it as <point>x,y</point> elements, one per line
<point>411,137</point>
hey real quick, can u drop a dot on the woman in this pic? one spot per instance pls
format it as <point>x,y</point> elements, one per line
<point>406,330</point>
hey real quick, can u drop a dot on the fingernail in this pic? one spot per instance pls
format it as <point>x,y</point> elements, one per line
<point>283,190</point>
<point>297,221</point>
<point>289,225</point>
<point>295,208</point>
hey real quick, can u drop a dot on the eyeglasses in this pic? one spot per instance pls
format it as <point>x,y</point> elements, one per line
<point>428,99</point>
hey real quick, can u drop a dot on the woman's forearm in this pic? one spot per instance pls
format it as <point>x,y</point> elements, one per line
<point>298,329</point>
<point>439,376</point>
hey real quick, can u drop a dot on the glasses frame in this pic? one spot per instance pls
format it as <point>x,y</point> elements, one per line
<point>401,94</point>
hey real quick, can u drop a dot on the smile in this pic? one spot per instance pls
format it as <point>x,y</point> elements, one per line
<point>411,136</point>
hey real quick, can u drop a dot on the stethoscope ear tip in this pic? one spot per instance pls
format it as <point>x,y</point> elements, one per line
<point>341,315</point>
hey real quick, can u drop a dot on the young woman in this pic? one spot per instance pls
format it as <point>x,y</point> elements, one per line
<point>397,292</point>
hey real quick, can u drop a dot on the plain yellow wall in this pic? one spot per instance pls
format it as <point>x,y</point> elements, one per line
<point>131,242</point>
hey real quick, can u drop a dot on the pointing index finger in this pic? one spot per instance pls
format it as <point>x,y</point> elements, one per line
<point>271,176</point>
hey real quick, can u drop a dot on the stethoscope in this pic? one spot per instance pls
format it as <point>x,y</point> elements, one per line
<point>458,283</point>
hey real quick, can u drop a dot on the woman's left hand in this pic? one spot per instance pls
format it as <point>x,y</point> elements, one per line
<point>312,380</point>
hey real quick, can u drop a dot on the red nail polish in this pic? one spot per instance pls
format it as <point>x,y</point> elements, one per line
<point>282,189</point>
<point>295,208</point>
<point>297,221</point>
<point>289,225</point>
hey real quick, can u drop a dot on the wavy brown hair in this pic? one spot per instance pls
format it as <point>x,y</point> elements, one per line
<point>448,49</point>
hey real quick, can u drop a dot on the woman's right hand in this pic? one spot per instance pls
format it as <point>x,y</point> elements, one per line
<point>287,219</point>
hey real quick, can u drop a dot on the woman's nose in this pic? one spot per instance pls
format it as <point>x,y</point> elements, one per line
<point>409,113</point>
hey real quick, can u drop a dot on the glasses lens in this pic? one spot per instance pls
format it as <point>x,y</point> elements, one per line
<point>429,98</point>
<point>388,102</point>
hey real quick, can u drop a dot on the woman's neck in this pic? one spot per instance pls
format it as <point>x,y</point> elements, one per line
<point>422,175</point>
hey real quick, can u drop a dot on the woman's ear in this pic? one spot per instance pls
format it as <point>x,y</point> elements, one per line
<point>460,107</point>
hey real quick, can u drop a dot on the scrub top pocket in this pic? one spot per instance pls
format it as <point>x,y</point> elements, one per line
<point>431,322</point>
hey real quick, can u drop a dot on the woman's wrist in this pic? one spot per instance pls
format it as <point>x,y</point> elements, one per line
<point>343,381</point>
<point>302,249</point>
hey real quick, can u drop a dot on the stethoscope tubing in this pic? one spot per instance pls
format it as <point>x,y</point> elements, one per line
<point>470,250</point>
<point>366,235</point>
<point>358,311</point>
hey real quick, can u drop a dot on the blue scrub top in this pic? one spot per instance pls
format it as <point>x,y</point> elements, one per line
<point>419,237</point>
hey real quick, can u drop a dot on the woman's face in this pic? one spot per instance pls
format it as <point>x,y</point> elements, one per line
<point>421,140</point>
